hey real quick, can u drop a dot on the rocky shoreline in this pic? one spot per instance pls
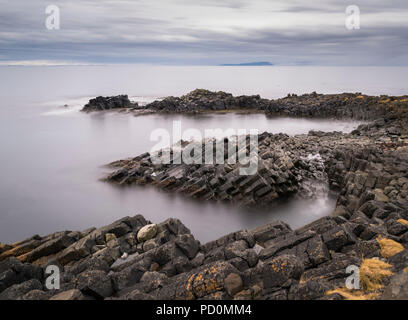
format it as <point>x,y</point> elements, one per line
<point>133,258</point>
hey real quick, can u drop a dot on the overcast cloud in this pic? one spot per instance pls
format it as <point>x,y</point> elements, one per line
<point>205,32</point>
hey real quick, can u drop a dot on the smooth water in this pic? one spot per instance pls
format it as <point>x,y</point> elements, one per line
<point>52,156</point>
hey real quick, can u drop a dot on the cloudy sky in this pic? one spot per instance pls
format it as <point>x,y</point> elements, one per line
<point>204,32</point>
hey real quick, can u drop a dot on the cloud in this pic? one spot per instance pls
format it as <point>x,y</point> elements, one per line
<point>205,32</point>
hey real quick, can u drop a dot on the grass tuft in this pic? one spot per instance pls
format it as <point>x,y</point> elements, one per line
<point>403,221</point>
<point>353,294</point>
<point>372,272</point>
<point>389,247</point>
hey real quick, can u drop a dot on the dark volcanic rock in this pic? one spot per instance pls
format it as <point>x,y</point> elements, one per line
<point>108,103</point>
<point>127,260</point>
<point>204,100</point>
<point>18,290</point>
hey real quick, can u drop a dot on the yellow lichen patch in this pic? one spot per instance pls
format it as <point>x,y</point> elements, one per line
<point>406,269</point>
<point>385,101</point>
<point>372,272</point>
<point>389,247</point>
<point>360,97</point>
<point>353,294</point>
<point>403,100</point>
<point>403,221</point>
<point>205,282</point>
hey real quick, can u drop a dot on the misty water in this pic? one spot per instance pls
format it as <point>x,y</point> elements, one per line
<point>52,156</point>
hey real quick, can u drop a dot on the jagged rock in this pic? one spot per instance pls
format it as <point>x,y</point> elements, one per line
<point>18,290</point>
<point>95,283</point>
<point>278,271</point>
<point>188,245</point>
<point>35,295</point>
<point>270,231</point>
<point>50,247</point>
<point>12,271</point>
<point>397,289</point>
<point>337,238</point>
<point>107,103</point>
<point>21,248</point>
<point>309,290</point>
<point>287,241</point>
<point>233,284</point>
<point>73,294</point>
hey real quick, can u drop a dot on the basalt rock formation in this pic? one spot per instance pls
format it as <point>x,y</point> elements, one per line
<point>344,105</point>
<point>285,166</point>
<point>205,100</point>
<point>339,106</point>
<point>108,103</point>
<point>133,258</point>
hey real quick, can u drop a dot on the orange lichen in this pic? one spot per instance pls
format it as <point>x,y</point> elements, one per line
<point>204,283</point>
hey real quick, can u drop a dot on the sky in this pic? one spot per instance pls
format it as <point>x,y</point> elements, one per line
<point>204,32</point>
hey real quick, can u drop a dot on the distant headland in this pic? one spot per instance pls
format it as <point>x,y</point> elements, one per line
<point>249,64</point>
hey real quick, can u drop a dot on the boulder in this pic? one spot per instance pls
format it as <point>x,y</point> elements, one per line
<point>270,231</point>
<point>188,245</point>
<point>233,284</point>
<point>147,232</point>
<point>397,289</point>
<point>278,271</point>
<point>18,290</point>
<point>337,238</point>
<point>13,271</point>
<point>35,294</point>
<point>108,103</point>
<point>95,283</point>
<point>73,294</point>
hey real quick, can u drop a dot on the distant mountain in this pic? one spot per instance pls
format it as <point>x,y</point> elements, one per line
<point>250,64</point>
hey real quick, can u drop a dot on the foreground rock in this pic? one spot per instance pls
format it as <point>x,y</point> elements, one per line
<point>269,262</point>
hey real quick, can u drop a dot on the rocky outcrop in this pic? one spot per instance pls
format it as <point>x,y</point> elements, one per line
<point>269,262</point>
<point>133,258</point>
<point>204,100</point>
<point>339,106</point>
<point>108,103</point>
<point>285,166</point>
